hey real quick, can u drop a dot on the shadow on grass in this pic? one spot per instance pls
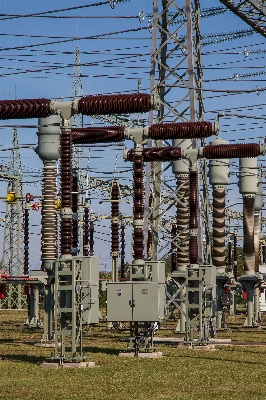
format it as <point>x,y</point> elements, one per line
<point>105,350</point>
<point>24,358</point>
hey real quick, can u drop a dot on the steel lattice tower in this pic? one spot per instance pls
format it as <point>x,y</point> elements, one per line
<point>13,233</point>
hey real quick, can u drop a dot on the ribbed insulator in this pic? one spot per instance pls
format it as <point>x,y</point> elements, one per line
<point>86,232</point>
<point>66,190</point>
<point>115,104</point>
<point>181,130</point>
<point>173,248</point>
<point>193,250</point>
<point>138,212</point>
<point>221,151</point>
<point>123,251</point>
<point>182,221</point>
<point>25,108</point>
<point>248,231</point>
<point>26,241</point>
<point>161,153</point>
<point>229,259</point>
<point>91,238</point>
<point>218,235</point>
<point>49,216</point>
<point>235,257</point>
<point>257,231</point>
<point>115,214</point>
<point>106,134</point>
<point>138,244</point>
<point>130,155</point>
<point>75,241</point>
<point>193,217</point>
<point>264,254</point>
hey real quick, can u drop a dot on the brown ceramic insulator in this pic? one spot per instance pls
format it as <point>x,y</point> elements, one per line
<point>193,217</point>
<point>26,241</point>
<point>138,211</point>
<point>138,244</point>
<point>115,214</point>
<point>75,212</point>
<point>157,154</point>
<point>66,191</point>
<point>173,248</point>
<point>122,251</point>
<point>248,231</point>
<point>115,104</point>
<point>182,221</point>
<point>257,231</point>
<point>235,256</point>
<point>218,234</point>
<point>91,238</point>
<point>106,134</point>
<point>193,250</point>
<point>221,151</point>
<point>181,130</point>
<point>28,108</point>
<point>86,232</point>
<point>264,254</point>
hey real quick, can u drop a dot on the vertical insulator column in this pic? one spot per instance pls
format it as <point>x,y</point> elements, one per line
<point>218,235</point>
<point>66,189</point>
<point>248,230</point>
<point>26,241</point>
<point>114,216</point>
<point>49,217</point>
<point>193,218</point>
<point>86,232</point>
<point>173,248</point>
<point>149,238</point>
<point>75,213</point>
<point>182,223</point>
<point>235,256</point>
<point>138,211</point>
<point>122,250</point>
<point>91,238</point>
<point>257,230</point>
<point>230,254</point>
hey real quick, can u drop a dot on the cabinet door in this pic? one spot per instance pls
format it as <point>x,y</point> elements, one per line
<point>145,297</point>
<point>119,302</point>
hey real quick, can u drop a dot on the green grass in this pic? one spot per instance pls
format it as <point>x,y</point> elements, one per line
<point>229,372</point>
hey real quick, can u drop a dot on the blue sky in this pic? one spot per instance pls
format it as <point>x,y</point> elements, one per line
<point>37,56</point>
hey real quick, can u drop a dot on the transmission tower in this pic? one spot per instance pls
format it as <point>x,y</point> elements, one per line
<point>13,232</point>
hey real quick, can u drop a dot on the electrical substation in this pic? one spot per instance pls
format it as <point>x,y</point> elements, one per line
<point>174,254</point>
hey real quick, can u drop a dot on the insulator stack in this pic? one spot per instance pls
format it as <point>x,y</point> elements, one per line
<point>229,259</point>
<point>49,217</point>
<point>181,130</point>
<point>28,108</point>
<point>26,241</point>
<point>86,232</point>
<point>157,154</point>
<point>114,216</point>
<point>75,213</point>
<point>193,218</point>
<point>248,231</point>
<point>173,248</point>
<point>235,257</point>
<point>91,238</point>
<point>182,222</point>
<point>264,254</point>
<point>66,190</point>
<point>115,104</point>
<point>149,238</point>
<point>257,231</point>
<point>231,151</point>
<point>218,235</point>
<point>107,134</point>
<point>123,251</point>
<point>138,213</point>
